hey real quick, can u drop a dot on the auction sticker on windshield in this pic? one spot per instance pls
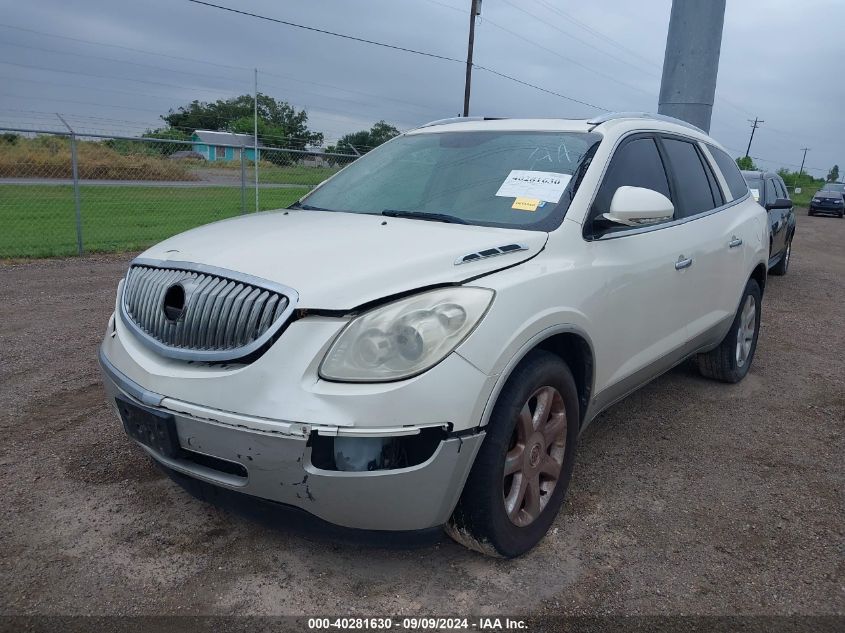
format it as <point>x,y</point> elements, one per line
<point>536,185</point>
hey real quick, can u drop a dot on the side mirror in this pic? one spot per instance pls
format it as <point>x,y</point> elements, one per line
<point>780,203</point>
<point>635,206</point>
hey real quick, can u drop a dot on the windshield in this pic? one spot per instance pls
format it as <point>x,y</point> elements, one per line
<point>834,186</point>
<point>755,186</point>
<point>506,179</point>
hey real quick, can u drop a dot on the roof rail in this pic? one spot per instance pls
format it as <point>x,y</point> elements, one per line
<point>611,116</point>
<point>459,119</point>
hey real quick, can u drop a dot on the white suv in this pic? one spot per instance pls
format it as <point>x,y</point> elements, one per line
<point>420,340</point>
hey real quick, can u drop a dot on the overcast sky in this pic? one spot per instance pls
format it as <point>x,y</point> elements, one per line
<point>781,60</point>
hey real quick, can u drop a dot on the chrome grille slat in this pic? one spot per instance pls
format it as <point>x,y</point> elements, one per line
<point>232,319</point>
<point>228,302</point>
<point>240,328</point>
<point>191,321</point>
<point>225,315</point>
<point>198,334</point>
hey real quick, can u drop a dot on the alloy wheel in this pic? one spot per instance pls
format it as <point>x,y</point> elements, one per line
<point>745,331</point>
<point>534,460</point>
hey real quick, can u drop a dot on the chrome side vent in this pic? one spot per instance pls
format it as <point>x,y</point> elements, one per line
<point>490,252</point>
<point>193,312</point>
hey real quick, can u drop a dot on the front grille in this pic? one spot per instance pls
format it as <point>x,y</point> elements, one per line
<point>193,312</point>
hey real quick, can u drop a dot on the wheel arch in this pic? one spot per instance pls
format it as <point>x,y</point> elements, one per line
<point>572,345</point>
<point>759,275</point>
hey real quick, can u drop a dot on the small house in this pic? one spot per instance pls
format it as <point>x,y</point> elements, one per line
<point>223,145</point>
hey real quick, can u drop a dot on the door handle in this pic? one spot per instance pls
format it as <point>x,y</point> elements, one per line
<point>735,241</point>
<point>683,263</point>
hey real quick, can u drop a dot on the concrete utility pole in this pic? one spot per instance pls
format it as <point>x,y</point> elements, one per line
<point>691,61</point>
<point>474,11</point>
<point>754,125</point>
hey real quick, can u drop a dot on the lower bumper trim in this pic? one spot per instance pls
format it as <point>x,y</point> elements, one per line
<point>281,516</point>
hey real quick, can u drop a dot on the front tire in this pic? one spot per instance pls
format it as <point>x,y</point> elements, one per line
<point>518,481</point>
<point>731,360</point>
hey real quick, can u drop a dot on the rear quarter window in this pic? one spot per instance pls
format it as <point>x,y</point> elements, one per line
<point>729,169</point>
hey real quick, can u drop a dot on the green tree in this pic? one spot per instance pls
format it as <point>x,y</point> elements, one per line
<point>365,140</point>
<point>279,123</point>
<point>746,163</point>
<point>166,149</point>
<point>833,174</point>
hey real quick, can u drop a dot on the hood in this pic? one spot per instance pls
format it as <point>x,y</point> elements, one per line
<point>829,193</point>
<point>337,261</point>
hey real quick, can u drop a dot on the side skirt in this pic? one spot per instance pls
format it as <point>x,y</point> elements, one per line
<point>614,393</point>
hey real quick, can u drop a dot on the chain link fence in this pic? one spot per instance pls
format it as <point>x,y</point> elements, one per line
<point>67,194</point>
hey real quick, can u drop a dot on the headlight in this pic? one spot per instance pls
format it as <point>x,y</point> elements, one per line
<point>406,337</point>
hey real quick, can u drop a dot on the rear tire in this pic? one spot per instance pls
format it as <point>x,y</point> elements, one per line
<point>731,360</point>
<point>783,265</point>
<point>518,481</point>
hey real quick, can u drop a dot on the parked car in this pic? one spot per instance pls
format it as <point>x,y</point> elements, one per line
<point>770,192</point>
<point>421,339</point>
<point>830,200</point>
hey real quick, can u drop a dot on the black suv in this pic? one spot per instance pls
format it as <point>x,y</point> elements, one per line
<point>770,192</point>
<point>829,199</point>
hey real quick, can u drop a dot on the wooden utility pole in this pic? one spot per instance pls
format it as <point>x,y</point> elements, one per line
<point>801,170</point>
<point>475,10</point>
<point>754,125</point>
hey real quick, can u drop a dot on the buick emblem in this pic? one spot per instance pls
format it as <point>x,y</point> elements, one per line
<point>174,302</point>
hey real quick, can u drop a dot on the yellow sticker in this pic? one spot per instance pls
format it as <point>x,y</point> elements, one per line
<point>525,204</point>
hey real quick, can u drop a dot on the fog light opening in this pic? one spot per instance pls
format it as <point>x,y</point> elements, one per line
<point>362,454</point>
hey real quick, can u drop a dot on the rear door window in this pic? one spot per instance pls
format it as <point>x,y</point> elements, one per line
<point>771,194</point>
<point>729,169</point>
<point>692,186</point>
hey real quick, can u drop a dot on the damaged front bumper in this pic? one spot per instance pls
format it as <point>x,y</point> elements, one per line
<point>277,465</point>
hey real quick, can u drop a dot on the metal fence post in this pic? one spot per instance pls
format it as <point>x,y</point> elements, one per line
<point>243,181</point>
<point>75,171</point>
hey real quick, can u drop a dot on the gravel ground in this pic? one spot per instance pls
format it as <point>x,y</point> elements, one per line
<point>689,497</point>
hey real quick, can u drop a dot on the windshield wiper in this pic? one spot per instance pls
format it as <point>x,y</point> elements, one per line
<point>307,207</point>
<point>424,215</point>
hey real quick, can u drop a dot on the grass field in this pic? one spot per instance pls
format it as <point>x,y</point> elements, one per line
<point>39,220</point>
<point>803,199</point>
<point>268,173</point>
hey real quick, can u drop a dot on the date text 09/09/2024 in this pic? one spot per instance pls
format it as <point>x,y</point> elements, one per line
<point>417,623</point>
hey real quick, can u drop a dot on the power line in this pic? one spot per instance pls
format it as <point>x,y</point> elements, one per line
<point>96,88</point>
<point>536,87</point>
<point>102,105</point>
<point>568,59</point>
<point>597,34</point>
<point>326,32</point>
<point>126,48</point>
<point>400,48</point>
<point>188,59</point>
<point>216,91</point>
<point>577,39</point>
<point>121,61</point>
